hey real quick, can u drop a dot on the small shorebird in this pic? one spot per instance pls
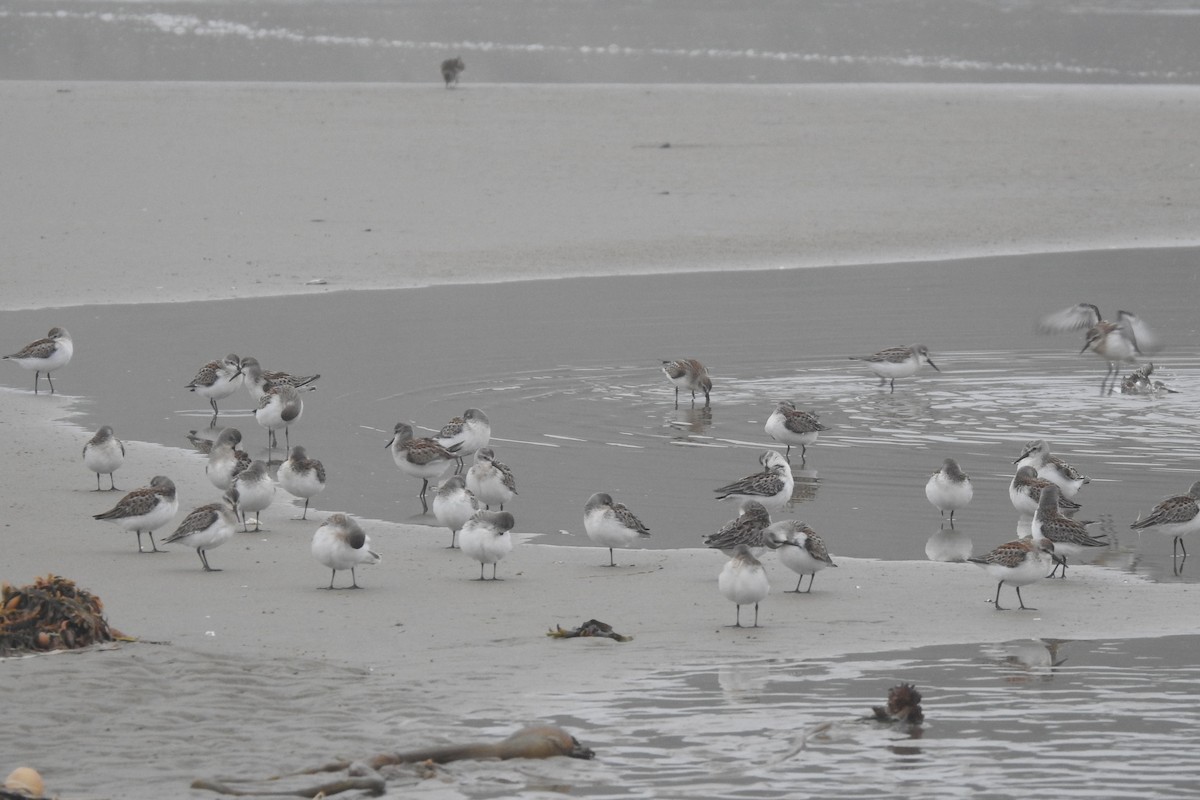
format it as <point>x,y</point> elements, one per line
<point>145,509</point>
<point>1069,536</point>
<point>45,355</point>
<point>225,460</point>
<point>302,476</point>
<point>610,524</point>
<point>790,426</point>
<point>1138,382</point>
<point>800,549</point>
<point>491,481</point>
<point>259,381</point>
<point>744,581</point>
<point>104,454</point>
<point>485,538</point>
<point>207,527</point>
<point>949,489</point>
<point>451,69</point>
<point>340,543</point>
<point>255,491</point>
<point>464,435</point>
<point>748,528</point>
<point>897,362</point>
<point>216,380</point>
<point>1025,491</point>
<point>1036,454</point>
<point>453,505</point>
<point>203,444</point>
<point>1017,563</point>
<point>1176,517</point>
<point>279,408</point>
<point>418,458</point>
<point>1120,342</point>
<point>688,373</point>
<point>772,487</point>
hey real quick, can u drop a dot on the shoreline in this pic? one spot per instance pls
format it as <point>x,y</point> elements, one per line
<point>422,594</point>
<point>307,290</point>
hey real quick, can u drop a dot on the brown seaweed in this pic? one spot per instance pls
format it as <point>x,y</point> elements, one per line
<point>591,628</point>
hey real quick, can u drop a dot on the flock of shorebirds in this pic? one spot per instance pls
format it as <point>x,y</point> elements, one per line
<point>1042,490</point>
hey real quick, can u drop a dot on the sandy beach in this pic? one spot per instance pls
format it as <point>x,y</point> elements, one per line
<point>185,192</point>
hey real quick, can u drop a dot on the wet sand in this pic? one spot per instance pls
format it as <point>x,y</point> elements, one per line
<point>147,173</point>
<point>137,192</point>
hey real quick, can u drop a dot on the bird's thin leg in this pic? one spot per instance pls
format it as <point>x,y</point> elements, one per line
<point>996,602</point>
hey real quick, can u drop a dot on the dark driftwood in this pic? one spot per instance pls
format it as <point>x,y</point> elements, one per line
<point>375,785</point>
<point>542,741</point>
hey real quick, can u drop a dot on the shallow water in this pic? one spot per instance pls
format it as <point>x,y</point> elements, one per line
<point>1011,719</point>
<point>628,41</point>
<point>1029,717</point>
<point>568,372</point>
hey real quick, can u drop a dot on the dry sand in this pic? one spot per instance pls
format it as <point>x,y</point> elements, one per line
<point>185,192</point>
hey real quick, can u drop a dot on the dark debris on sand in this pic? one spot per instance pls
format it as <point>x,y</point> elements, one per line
<point>591,628</point>
<point>903,705</point>
<point>51,614</point>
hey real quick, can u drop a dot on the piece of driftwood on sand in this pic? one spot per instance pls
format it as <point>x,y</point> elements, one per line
<point>540,741</point>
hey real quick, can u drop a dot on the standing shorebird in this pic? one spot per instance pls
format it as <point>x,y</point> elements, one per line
<point>688,373</point>
<point>897,362</point>
<point>216,380</point>
<point>492,481</point>
<point>464,435</point>
<point>225,460</point>
<point>610,524</point>
<point>418,458</point>
<point>104,454</point>
<point>255,491</point>
<point>145,509</point>
<point>45,355</point>
<point>1017,563</point>
<point>800,549</point>
<point>453,505</point>
<point>1176,517</point>
<point>949,489</point>
<point>1120,342</point>
<point>744,581</point>
<point>279,408</point>
<point>302,476</point>
<point>340,543</point>
<point>1025,492</point>
<point>485,538</point>
<point>1036,454</point>
<point>207,527</point>
<point>789,426</point>
<point>748,528</point>
<point>772,487</point>
<point>1069,536</point>
<point>451,69</point>
<point>259,381</point>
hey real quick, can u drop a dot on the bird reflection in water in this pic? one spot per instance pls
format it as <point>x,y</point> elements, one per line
<point>948,544</point>
<point>690,421</point>
<point>806,485</point>
<point>1027,660</point>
